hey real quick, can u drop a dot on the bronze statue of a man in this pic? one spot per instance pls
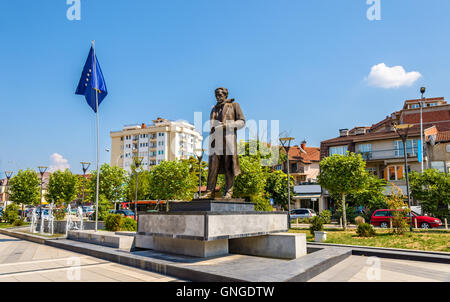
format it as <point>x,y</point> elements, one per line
<point>226,119</point>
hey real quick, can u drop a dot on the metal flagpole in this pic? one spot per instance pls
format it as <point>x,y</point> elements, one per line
<point>96,106</point>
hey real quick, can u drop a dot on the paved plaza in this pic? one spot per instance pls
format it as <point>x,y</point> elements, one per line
<point>371,269</point>
<point>22,260</point>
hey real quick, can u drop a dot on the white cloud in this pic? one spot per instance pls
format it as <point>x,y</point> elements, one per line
<point>391,77</point>
<point>58,162</point>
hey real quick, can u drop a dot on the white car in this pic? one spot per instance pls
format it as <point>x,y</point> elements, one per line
<point>302,213</point>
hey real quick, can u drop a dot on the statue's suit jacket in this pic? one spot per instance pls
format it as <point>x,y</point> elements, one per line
<point>223,142</point>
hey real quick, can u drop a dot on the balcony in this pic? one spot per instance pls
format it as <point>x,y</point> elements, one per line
<point>388,154</point>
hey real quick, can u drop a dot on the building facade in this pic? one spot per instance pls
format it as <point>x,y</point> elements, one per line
<point>304,168</point>
<point>164,140</point>
<point>382,148</point>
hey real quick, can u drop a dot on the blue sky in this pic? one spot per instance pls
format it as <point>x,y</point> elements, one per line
<point>302,62</point>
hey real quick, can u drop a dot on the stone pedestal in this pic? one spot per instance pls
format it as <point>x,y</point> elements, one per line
<point>203,228</point>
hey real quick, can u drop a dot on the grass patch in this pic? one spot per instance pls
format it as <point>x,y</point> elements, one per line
<point>428,240</point>
<point>4,225</point>
<point>42,235</point>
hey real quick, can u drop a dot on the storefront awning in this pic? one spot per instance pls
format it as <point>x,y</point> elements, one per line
<point>317,196</point>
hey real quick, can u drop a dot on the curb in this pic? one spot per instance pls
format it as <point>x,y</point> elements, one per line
<point>393,253</point>
<point>28,237</point>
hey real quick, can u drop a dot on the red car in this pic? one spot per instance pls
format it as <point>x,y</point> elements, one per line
<point>381,218</point>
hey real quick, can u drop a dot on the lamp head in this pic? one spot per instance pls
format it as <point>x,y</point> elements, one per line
<point>85,166</point>
<point>422,90</point>
<point>286,140</point>
<point>42,169</point>
<point>199,152</point>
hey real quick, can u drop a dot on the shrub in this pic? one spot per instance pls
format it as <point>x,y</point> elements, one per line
<point>304,220</point>
<point>59,213</point>
<point>365,230</point>
<point>128,224</point>
<point>18,222</point>
<point>325,215</point>
<point>113,222</point>
<point>360,220</point>
<point>396,203</point>
<point>11,213</point>
<point>316,224</point>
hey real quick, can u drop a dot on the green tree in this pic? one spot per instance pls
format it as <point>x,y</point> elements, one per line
<point>24,188</point>
<point>267,155</point>
<point>112,183</point>
<point>172,180</point>
<point>194,169</point>
<point>276,187</point>
<point>104,205</point>
<point>262,202</point>
<point>342,175</point>
<point>371,197</point>
<point>432,189</point>
<point>143,186</point>
<point>252,180</point>
<point>62,187</point>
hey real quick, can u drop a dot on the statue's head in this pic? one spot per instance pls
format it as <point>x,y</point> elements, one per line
<point>221,94</point>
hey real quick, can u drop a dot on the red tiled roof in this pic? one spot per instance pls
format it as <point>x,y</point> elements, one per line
<point>443,136</point>
<point>312,154</point>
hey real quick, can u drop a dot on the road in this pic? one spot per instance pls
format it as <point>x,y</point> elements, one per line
<point>22,260</point>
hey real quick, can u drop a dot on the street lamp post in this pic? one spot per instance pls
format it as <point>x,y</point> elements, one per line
<point>286,143</point>
<point>85,167</point>
<point>199,154</point>
<point>422,91</point>
<point>137,163</point>
<point>8,175</point>
<point>402,132</point>
<point>42,170</point>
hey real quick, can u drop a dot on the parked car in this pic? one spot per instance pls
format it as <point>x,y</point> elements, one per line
<point>302,213</point>
<point>87,210</point>
<point>125,213</point>
<point>382,218</point>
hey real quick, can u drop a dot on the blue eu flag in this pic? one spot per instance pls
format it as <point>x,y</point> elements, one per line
<point>91,81</point>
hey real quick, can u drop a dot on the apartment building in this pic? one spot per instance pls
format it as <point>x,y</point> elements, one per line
<point>163,140</point>
<point>304,168</point>
<point>382,149</point>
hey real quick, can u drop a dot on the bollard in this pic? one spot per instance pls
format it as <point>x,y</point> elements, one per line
<point>340,222</point>
<point>415,223</point>
<point>296,221</point>
<point>390,223</point>
<point>446,226</point>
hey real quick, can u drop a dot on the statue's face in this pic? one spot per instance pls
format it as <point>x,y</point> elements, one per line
<point>221,95</point>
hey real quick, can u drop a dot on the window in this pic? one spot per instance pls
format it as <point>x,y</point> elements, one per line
<point>393,173</point>
<point>439,165</point>
<point>381,213</point>
<point>372,171</point>
<point>365,150</point>
<point>342,150</point>
<point>411,148</point>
